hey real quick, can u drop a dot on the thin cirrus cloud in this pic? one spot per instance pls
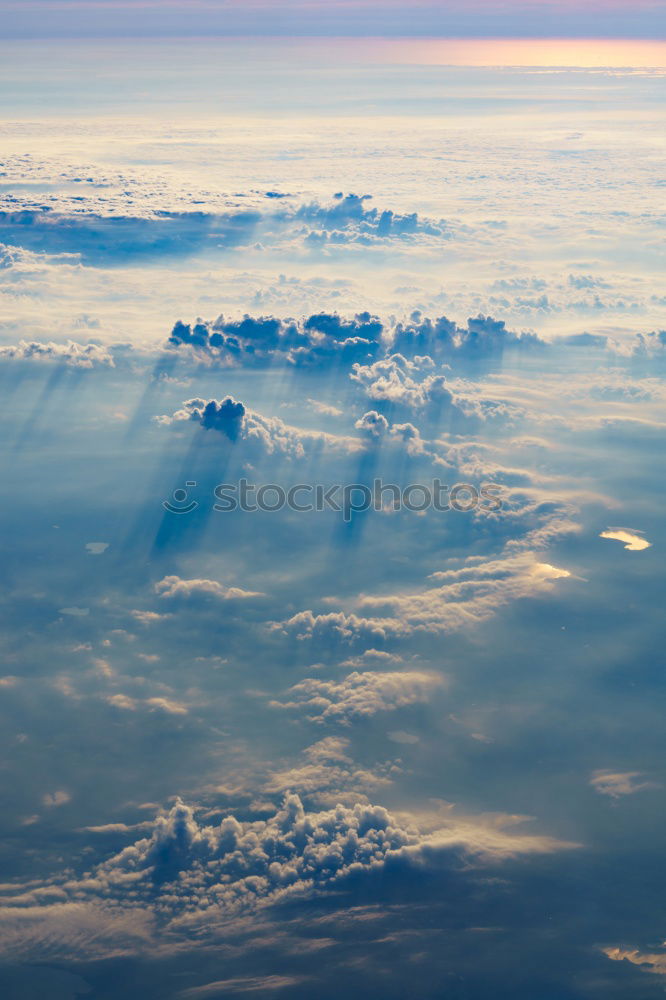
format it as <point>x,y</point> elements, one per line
<point>615,784</point>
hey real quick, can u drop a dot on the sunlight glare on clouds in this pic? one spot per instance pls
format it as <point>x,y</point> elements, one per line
<point>529,52</point>
<point>632,541</point>
<point>544,571</point>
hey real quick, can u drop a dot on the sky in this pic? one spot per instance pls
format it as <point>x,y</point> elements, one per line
<point>331,623</point>
<point>449,18</point>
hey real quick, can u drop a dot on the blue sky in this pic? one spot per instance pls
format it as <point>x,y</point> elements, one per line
<point>452,18</point>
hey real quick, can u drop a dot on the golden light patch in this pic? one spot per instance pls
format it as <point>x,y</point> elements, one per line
<point>632,542</point>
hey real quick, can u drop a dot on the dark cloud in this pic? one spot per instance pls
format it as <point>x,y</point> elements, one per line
<point>259,434</point>
<point>482,336</point>
<point>325,338</point>
<point>363,325</point>
<point>225,416</point>
<point>100,239</point>
<point>191,878</point>
<point>316,340</point>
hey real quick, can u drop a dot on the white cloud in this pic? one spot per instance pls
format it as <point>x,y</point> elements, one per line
<point>631,540</point>
<point>325,409</point>
<point>466,596</point>
<point>615,784</point>
<point>359,694</point>
<point>173,586</point>
<point>71,353</point>
<point>396,380</point>
<point>96,548</point>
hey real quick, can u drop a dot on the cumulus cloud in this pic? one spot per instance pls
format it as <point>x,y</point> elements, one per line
<point>71,353</point>
<point>225,416</point>
<point>465,597</point>
<point>148,617</point>
<point>651,344</point>
<point>326,338</point>
<point>319,339</point>
<point>372,425</point>
<point>470,594</point>
<point>359,694</point>
<point>127,214</point>
<point>195,877</point>
<point>352,212</point>
<point>327,775</point>
<point>482,336</point>
<point>338,625</point>
<point>25,263</point>
<point>259,435</point>
<point>171,587</point>
<point>395,380</point>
